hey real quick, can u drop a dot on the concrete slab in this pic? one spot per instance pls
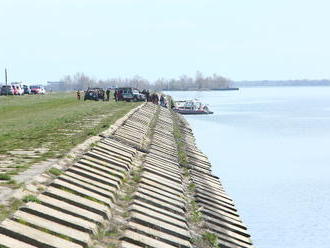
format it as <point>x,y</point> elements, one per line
<point>215,200</point>
<point>82,237</point>
<point>114,149</point>
<point>223,216</point>
<point>159,225</point>
<point>230,236</point>
<point>157,215</point>
<point>152,156</point>
<point>213,205</point>
<point>164,174</point>
<point>87,185</point>
<point>162,186</point>
<point>92,181</point>
<point>162,198</point>
<point>210,193</point>
<point>147,205</point>
<point>60,217</point>
<point>13,243</point>
<point>118,157</point>
<point>206,182</point>
<point>119,145</point>
<point>70,209</point>
<point>107,160</point>
<point>215,190</point>
<point>96,176</point>
<point>158,203</point>
<point>124,244</point>
<point>34,236</point>
<point>110,170</point>
<point>79,201</point>
<point>163,180</point>
<point>203,176</point>
<point>162,192</point>
<point>220,211</point>
<point>226,225</point>
<point>169,169</point>
<point>159,161</point>
<point>110,159</point>
<point>158,166</point>
<point>158,235</point>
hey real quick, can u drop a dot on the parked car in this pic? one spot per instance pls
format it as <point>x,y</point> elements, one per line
<point>7,90</point>
<point>18,90</point>
<point>26,89</point>
<point>95,94</point>
<point>130,94</point>
<point>37,89</point>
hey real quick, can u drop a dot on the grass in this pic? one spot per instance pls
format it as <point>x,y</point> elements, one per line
<point>211,238</point>
<point>182,156</point>
<point>55,171</point>
<point>31,198</point>
<point>32,122</point>
<point>5,177</point>
<point>6,210</point>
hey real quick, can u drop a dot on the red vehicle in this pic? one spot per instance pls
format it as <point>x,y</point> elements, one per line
<point>37,89</point>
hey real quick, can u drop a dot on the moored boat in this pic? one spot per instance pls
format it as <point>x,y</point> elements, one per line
<point>191,107</point>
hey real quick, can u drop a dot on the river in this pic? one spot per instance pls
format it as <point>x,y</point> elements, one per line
<point>271,149</point>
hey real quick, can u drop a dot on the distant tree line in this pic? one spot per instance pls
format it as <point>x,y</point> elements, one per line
<point>199,82</point>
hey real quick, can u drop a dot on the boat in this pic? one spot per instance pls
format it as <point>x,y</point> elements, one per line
<point>191,107</point>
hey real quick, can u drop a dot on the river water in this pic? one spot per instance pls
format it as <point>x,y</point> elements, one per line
<point>271,149</point>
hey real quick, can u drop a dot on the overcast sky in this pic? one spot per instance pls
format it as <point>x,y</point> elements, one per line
<point>242,39</point>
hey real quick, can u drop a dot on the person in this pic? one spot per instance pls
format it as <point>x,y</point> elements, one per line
<point>162,99</point>
<point>116,95</point>
<point>108,94</point>
<point>78,95</point>
<point>148,96</point>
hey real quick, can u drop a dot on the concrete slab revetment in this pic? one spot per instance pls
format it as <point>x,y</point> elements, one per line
<point>162,198</point>
<point>85,189</point>
<point>158,215</point>
<point>13,243</point>
<point>159,235</point>
<point>71,209</point>
<point>41,239</point>
<point>79,201</point>
<point>80,236</point>
<point>159,225</point>
<point>147,205</point>
<point>158,203</point>
<point>50,213</point>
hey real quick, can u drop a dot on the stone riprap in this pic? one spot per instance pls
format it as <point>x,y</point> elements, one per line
<point>76,204</point>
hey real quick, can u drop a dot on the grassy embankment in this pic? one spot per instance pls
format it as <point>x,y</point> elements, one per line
<point>36,128</point>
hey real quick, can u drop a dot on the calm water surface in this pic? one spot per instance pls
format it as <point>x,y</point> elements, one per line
<point>271,149</point>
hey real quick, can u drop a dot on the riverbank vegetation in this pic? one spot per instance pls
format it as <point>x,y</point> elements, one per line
<point>184,82</point>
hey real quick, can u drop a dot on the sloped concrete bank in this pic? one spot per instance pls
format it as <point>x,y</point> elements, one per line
<point>145,184</point>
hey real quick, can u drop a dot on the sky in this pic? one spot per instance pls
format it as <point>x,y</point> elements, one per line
<point>44,40</point>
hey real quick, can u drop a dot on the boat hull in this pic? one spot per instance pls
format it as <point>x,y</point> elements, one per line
<point>191,112</point>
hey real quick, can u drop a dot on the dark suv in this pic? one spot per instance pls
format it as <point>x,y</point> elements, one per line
<point>7,90</point>
<point>95,94</point>
<point>130,94</point>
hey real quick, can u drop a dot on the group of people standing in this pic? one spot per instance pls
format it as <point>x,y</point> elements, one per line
<point>156,98</point>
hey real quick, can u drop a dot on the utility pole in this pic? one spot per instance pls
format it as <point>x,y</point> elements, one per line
<point>6,78</point>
